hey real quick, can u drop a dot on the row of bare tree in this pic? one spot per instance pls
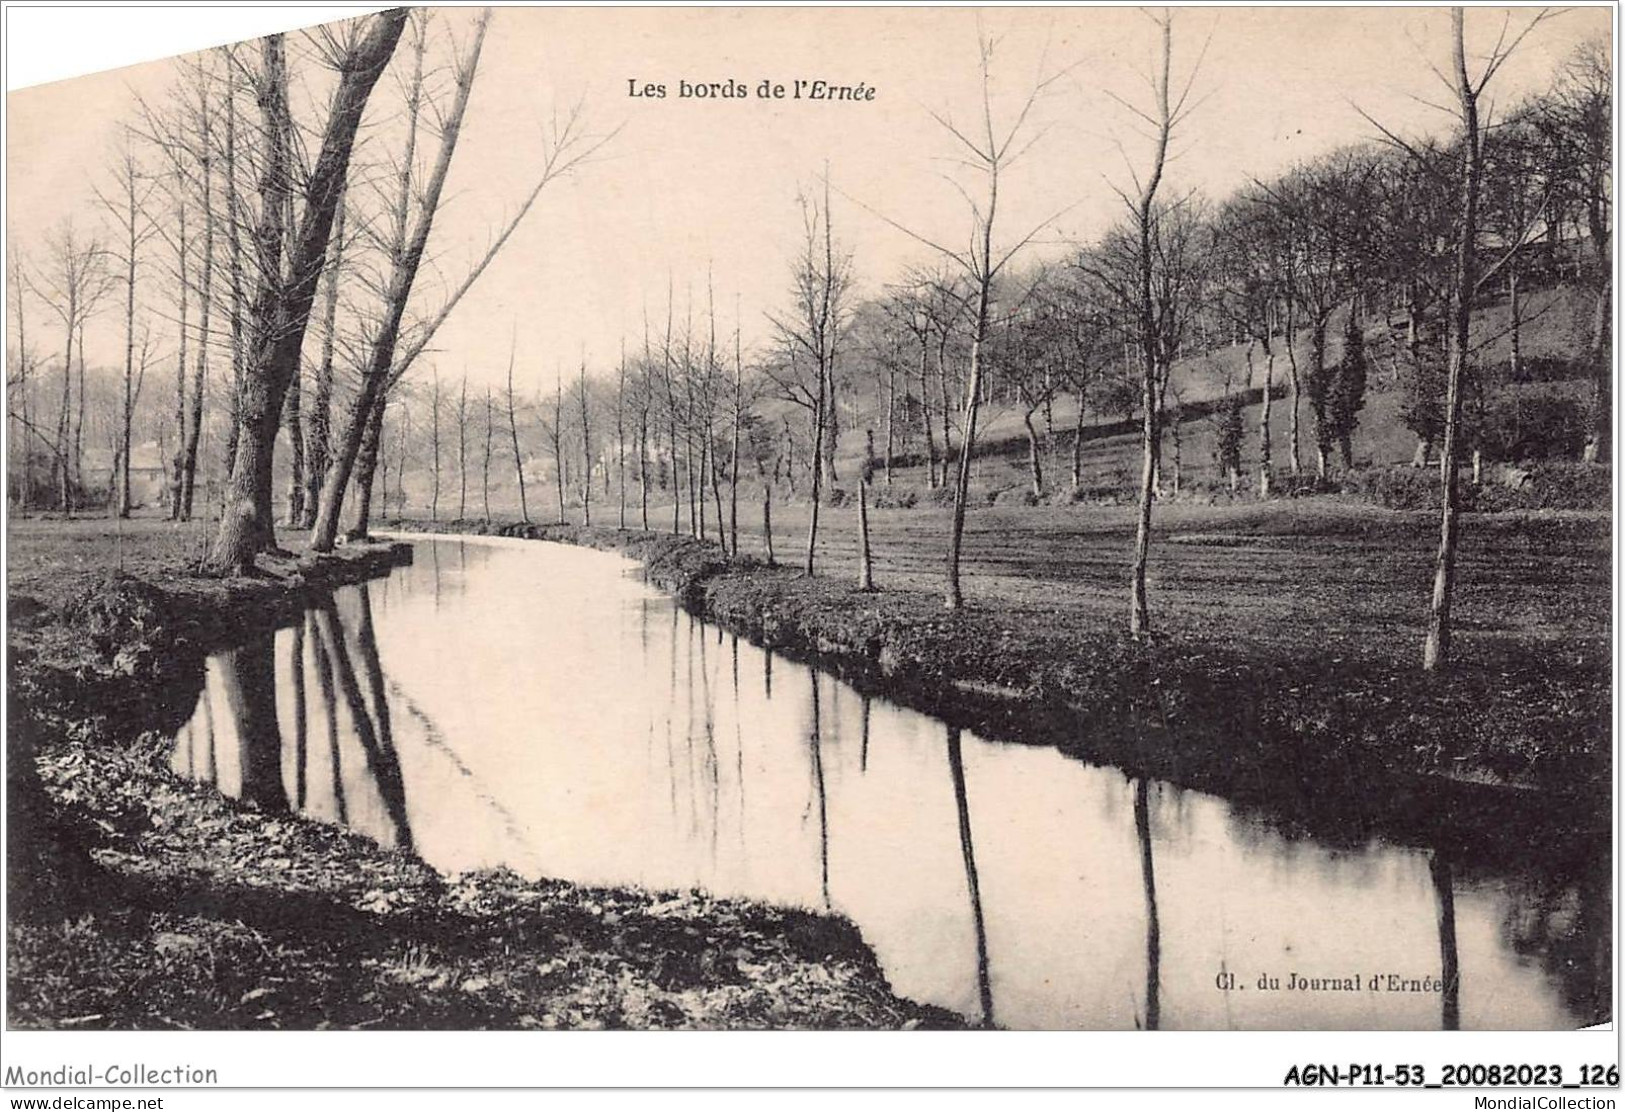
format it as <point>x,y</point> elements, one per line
<point>276,183</point>
<point>234,201</point>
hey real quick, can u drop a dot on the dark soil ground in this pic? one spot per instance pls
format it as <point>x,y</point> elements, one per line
<point>142,901</point>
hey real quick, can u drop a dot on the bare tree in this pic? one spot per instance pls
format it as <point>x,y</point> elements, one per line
<point>462,449</point>
<point>434,446</point>
<point>392,354</point>
<point>73,284</point>
<point>1147,219</point>
<point>1252,282</point>
<point>1577,121</point>
<point>19,387</point>
<point>584,412</point>
<point>988,150</point>
<point>485,459</point>
<point>235,229</point>
<point>645,400</point>
<point>513,430</point>
<point>1468,88</point>
<point>127,204</point>
<point>554,431</point>
<point>620,431</point>
<point>205,161</point>
<point>738,414</point>
<point>318,419</point>
<point>821,282</point>
<point>282,308</point>
<point>408,242</point>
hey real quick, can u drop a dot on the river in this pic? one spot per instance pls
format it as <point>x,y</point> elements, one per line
<point>539,707</point>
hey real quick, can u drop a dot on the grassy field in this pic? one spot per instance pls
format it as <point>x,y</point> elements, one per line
<point>1282,576</point>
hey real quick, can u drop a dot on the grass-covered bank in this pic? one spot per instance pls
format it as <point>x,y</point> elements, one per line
<point>142,900</point>
<point>1316,719</point>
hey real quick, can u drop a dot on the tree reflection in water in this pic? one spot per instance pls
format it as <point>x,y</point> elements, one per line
<point>1519,919</point>
<point>967,850</point>
<point>296,668</point>
<point>1153,927</point>
<point>817,742</point>
<point>1449,968</point>
<point>246,682</point>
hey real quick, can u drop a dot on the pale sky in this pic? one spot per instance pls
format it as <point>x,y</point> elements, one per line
<point>692,183</point>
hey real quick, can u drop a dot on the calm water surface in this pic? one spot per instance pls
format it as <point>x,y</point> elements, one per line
<point>538,706</point>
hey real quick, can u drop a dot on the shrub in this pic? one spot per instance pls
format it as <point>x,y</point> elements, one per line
<point>1523,426</point>
<point>1015,496</point>
<point>1396,488</point>
<point>1564,485</point>
<point>1548,486</point>
<point>884,497</point>
<point>1540,368</point>
<point>1308,483</point>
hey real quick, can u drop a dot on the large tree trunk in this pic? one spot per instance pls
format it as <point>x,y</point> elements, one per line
<point>372,440</point>
<point>282,308</point>
<point>318,420</point>
<point>293,419</point>
<point>381,369</point>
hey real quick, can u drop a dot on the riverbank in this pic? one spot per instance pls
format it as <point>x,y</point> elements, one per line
<point>140,900</point>
<point>1329,733</point>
